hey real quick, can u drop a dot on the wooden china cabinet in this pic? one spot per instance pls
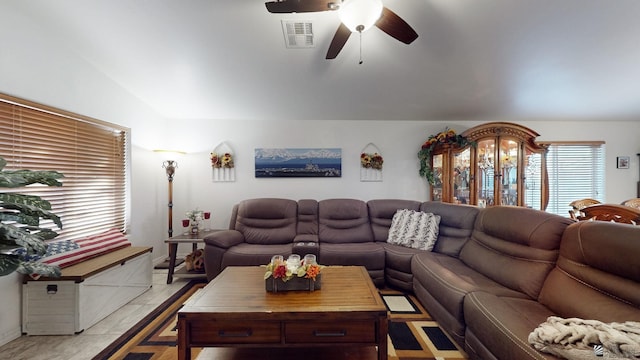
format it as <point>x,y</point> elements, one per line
<point>504,166</point>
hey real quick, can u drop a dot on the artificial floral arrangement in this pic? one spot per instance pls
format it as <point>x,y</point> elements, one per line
<point>286,271</point>
<point>195,215</point>
<point>224,161</point>
<point>371,161</point>
<point>446,137</point>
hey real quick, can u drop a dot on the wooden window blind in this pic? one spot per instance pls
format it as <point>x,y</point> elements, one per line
<point>576,171</point>
<point>91,154</point>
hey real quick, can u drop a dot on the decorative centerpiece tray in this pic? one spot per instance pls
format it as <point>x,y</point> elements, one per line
<point>293,284</point>
<point>293,274</point>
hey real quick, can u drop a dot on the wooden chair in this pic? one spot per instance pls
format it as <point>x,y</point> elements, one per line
<point>634,203</point>
<point>611,212</point>
<point>578,205</point>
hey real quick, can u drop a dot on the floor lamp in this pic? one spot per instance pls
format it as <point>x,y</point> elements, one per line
<point>170,166</point>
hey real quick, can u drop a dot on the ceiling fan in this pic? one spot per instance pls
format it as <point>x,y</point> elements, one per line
<point>387,20</point>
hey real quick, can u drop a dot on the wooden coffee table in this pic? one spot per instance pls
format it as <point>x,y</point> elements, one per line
<point>235,310</point>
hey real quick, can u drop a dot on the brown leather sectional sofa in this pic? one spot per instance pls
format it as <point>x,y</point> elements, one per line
<point>493,276</point>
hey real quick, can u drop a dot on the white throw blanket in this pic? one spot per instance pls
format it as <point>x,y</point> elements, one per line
<point>574,338</point>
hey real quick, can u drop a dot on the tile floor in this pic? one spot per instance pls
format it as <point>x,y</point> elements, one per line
<point>90,342</point>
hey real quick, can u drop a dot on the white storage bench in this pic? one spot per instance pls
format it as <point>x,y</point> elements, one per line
<point>86,292</point>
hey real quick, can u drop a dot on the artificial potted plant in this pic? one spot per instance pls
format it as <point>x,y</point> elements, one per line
<point>21,236</point>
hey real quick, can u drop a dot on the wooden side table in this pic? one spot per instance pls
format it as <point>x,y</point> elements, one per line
<point>173,242</point>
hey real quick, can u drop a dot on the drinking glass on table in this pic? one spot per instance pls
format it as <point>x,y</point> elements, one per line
<point>309,259</point>
<point>185,224</point>
<point>293,262</point>
<point>277,259</point>
<point>207,216</point>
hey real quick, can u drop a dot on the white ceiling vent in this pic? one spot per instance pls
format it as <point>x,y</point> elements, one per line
<point>298,34</point>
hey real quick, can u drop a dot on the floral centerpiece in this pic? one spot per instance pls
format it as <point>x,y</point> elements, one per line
<point>446,137</point>
<point>292,275</point>
<point>221,161</point>
<point>195,216</point>
<point>371,161</point>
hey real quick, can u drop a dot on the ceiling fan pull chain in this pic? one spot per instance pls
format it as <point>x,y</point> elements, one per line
<point>360,62</point>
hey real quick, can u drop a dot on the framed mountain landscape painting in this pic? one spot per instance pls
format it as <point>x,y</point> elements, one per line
<point>298,162</point>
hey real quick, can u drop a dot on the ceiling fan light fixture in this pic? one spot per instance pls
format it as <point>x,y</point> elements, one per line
<point>360,15</point>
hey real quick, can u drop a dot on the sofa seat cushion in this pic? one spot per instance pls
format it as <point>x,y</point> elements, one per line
<point>448,280</point>
<point>370,255</point>
<point>502,326</point>
<point>254,254</point>
<point>399,257</point>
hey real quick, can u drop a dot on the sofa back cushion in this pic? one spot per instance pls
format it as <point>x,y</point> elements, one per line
<point>343,221</point>
<point>456,225</point>
<point>267,220</point>
<point>598,261</point>
<point>307,217</point>
<point>381,213</point>
<point>515,246</point>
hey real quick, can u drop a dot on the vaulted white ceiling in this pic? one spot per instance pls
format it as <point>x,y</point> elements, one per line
<point>473,59</point>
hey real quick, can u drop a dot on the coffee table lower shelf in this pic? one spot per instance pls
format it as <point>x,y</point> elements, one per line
<point>234,310</point>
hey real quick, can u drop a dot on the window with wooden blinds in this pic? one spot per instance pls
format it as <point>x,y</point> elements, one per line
<point>91,154</point>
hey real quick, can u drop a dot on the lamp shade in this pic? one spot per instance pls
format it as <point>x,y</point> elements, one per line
<point>166,154</point>
<point>360,15</point>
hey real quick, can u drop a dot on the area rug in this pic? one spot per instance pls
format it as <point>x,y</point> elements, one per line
<point>412,333</point>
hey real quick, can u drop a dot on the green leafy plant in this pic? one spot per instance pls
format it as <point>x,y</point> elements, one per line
<point>21,236</point>
<point>446,137</point>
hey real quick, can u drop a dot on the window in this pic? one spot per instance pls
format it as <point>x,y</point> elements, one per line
<point>576,171</point>
<point>91,154</point>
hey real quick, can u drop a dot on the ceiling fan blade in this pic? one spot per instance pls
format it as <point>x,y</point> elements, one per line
<point>299,6</point>
<point>397,28</point>
<point>339,39</point>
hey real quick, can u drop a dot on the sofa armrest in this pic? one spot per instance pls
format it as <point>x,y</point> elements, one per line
<point>306,238</point>
<point>224,239</point>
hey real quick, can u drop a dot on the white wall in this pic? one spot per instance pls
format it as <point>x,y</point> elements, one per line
<point>35,67</point>
<point>399,142</point>
<point>396,140</point>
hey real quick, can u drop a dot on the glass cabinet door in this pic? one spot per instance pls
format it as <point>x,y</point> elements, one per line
<point>508,174</point>
<point>486,172</point>
<point>533,184</point>
<point>462,176</point>
<point>436,188</point>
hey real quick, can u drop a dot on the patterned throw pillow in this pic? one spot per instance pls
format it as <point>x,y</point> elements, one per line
<point>415,229</point>
<point>399,229</point>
